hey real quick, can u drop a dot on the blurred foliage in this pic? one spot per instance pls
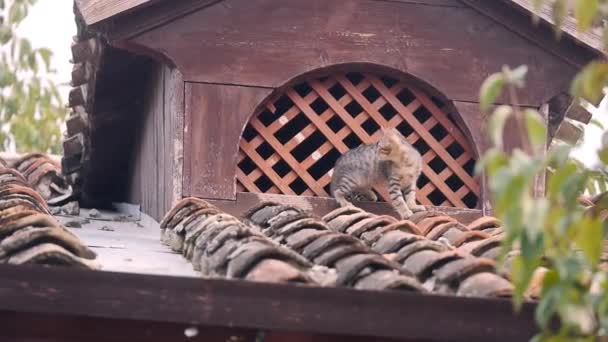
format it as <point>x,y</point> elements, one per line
<point>30,104</point>
<point>553,235</point>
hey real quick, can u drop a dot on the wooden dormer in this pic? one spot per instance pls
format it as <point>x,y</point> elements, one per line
<point>238,101</point>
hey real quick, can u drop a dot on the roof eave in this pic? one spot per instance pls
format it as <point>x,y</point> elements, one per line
<point>96,12</point>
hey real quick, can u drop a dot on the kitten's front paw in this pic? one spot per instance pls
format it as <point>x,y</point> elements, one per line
<point>406,214</point>
<point>418,208</point>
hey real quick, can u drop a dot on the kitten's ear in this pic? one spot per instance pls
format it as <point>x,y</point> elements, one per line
<point>390,131</point>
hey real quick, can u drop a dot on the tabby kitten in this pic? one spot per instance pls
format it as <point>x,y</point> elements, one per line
<point>390,160</point>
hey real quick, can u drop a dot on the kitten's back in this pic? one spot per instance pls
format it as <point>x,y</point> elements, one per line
<point>355,169</point>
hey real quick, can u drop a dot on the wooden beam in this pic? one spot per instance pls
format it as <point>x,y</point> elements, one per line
<point>85,50</point>
<point>323,205</point>
<point>577,112</point>
<point>81,73</point>
<point>74,145</point>
<point>78,96</point>
<point>592,38</point>
<point>505,13</point>
<point>249,305</point>
<point>569,132</point>
<point>77,123</point>
<point>163,12</point>
<point>94,11</point>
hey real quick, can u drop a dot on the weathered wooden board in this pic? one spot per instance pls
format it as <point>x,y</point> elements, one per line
<point>323,205</point>
<point>519,20</point>
<point>230,303</point>
<point>215,118</point>
<point>155,178</point>
<point>174,113</point>
<point>592,38</point>
<point>448,3</point>
<point>94,11</point>
<point>267,43</point>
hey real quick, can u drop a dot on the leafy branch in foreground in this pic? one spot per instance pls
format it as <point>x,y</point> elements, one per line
<point>553,234</point>
<point>558,237</point>
<point>30,104</point>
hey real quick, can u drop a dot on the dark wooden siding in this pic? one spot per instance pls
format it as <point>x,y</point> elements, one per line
<point>234,53</point>
<point>155,177</point>
<point>266,43</point>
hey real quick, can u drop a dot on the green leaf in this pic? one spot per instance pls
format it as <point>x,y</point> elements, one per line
<point>551,293</point>
<point>558,155</point>
<point>516,76</point>
<point>589,239</point>
<point>491,161</point>
<point>496,124</point>
<point>589,82</point>
<point>560,177</point>
<point>6,34</point>
<point>603,155</point>
<point>605,37</point>
<point>559,14</point>
<point>16,13</point>
<point>585,12</point>
<point>25,49</point>
<point>597,123</point>
<point>537,129</point>
<point>46,55</point>
<point>521,275</point>
<point>536,5</point>
<point>490,90</point>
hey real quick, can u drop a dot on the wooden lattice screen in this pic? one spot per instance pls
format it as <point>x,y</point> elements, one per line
<point>291,145</point>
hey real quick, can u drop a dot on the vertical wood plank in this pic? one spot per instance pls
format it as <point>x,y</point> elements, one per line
<point>174,111</point>
<point>216,116</point>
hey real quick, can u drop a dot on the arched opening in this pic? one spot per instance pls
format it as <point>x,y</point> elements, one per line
<point>291,143</point>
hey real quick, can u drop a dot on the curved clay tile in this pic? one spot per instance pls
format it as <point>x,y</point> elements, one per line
<point>49,254</point>
<point>44,174</point>
<point>393,241</point>
<point>416,245</point>
<point>343,222</point>
<point>421,215</point>
<point>427,224</point>
<point>450,230</point>
<point>407,226</point>
<point>28,234</point>
<point>485,222</point>
<point>219,245</point>
<point>469,236</point>
<point>354,263</point>
<point>347,210</point>
<point>485,284</point>
<point>369,224</point>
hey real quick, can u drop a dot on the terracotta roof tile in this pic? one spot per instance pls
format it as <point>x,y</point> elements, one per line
<point>43,173</point>
<point>414,244</point>
<point>219,245</point>
<point>277,244</point>
<point>28,233</point>
<point>440,267</point>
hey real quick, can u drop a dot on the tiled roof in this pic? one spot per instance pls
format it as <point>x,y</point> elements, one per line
<point>592,38</point>
<point>28,233</point>
<point>44,174</point>
<point>218,244</point>
<point>348,247</point>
